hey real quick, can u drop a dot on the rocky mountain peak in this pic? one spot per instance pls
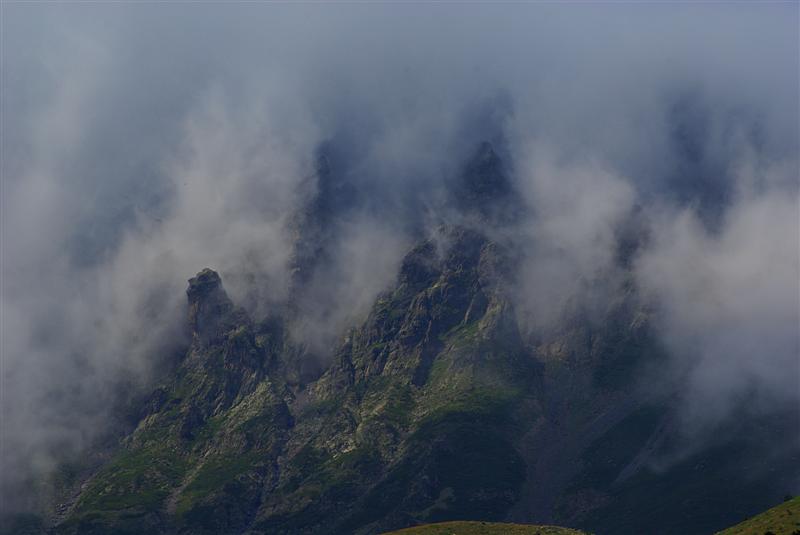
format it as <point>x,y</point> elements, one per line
<point>331,198</point>
<point>484,188</point>
<point>203,284</point>
<point>210,308</point>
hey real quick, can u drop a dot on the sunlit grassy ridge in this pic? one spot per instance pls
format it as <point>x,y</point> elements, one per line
<point>484,528</point>
<point>783,519</point>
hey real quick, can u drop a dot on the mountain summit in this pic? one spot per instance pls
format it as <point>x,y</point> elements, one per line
<point>484,189</point>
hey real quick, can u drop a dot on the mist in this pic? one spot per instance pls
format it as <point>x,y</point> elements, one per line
<point>142,143</point>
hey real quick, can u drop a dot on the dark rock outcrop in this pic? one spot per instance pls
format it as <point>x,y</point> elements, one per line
<point>211,312</point>
<point>484,189</point>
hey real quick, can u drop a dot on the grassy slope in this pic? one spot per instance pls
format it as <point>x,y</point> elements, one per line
<point>783,519</point>
<point>484,528</point>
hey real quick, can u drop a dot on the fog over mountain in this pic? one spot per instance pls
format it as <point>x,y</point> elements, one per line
<point>142,143</point>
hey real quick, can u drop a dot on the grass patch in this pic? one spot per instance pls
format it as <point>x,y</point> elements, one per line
<point>484,528</point>
<point>783,519</point>
<point>135,480</point>
<point>322,407</point>
<point>475,404</point>
<point>212,477</point>
<point>461,334</point>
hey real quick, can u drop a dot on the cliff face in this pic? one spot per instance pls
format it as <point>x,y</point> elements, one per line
<point>415,419</point>
<point>435,408</point>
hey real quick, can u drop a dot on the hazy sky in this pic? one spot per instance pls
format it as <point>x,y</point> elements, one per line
<point>144,142</point>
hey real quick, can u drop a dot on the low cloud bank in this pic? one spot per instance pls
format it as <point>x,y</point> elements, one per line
<point>142,143</point>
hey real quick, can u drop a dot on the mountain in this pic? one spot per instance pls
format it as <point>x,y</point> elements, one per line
<point>424,388</point>
<point>436,406</point>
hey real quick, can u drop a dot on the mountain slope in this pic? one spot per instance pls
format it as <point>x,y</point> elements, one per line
<point>783,519</point>
<point>433,381</point>
<point>436,406</point>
